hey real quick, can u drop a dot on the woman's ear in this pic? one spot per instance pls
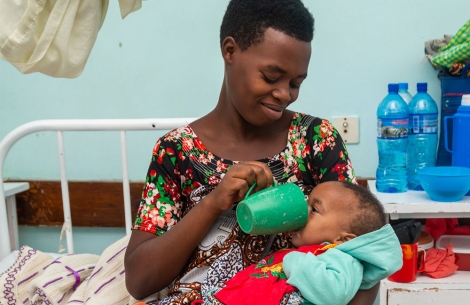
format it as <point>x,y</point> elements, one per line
<point>344,237</point>
<point>229,46</point>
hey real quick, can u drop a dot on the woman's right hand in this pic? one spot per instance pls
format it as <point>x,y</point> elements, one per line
<point>236,183</point>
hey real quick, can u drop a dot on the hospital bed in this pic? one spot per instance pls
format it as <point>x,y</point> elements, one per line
<point>8,220</point>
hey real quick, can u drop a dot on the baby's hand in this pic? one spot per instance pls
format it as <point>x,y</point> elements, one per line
<point>237,182</point>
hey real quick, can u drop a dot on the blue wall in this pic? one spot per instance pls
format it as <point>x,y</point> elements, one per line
<point>164,61</point>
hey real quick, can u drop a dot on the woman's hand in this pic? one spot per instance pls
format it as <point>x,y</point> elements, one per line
<point>236,183</point>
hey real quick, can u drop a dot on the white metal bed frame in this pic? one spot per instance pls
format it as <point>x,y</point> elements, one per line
<point>7,222</point>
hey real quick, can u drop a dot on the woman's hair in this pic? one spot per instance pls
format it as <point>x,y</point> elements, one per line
<point>367,213</point>
<point>247,20</point>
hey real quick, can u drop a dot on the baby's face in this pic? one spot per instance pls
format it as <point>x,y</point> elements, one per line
<point>328,210</point>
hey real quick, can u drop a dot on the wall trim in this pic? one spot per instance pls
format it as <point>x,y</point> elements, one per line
<point>93,203</point>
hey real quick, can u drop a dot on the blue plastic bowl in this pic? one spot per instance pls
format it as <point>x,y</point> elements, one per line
<point>445,183</point>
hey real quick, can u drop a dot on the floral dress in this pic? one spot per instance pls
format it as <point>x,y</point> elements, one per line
<point>182,171</point>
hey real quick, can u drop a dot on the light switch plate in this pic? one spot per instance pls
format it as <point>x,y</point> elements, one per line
<point>348,128</point>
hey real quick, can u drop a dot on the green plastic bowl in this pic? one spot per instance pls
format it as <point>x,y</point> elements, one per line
<point>445,183</point>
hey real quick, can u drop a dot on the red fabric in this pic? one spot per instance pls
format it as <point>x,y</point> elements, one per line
<point>262,283</point>
<point>445,226</point>
<point>439,263</point>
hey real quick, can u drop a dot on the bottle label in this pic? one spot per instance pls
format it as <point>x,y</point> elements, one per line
<point>423,123</point>
<point>392,128</point>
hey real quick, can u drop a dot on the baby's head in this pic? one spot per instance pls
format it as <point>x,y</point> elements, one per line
<point>246,21</point>
<point>338,212</point>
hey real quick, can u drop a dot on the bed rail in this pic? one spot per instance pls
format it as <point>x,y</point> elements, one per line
<point>122,125</point>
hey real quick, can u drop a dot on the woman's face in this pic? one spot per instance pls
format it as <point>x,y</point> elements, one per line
<point>265,78</point>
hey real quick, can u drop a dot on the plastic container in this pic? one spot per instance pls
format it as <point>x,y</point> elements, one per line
<point>452,90</point>
<point>392,140</point>
<point>403,92</point>
<point>422,135</point>
<point>425,241</point>
<point>445,183</point>
<point>461,134</point>
<point>460,246</point>
<point>278,209</point>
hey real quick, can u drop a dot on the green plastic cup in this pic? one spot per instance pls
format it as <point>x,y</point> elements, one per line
<point>278,209</point>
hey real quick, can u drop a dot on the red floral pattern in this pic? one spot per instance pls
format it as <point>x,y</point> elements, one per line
<point>181,166</point>
<point>314,153</point>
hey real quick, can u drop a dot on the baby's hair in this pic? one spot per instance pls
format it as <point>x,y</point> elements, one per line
<point>247,20</point>
<point>368,213</point>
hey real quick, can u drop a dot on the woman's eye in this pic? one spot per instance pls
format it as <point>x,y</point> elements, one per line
<point>294,86</point>
<point>269,80</point>
<point>313,209</point>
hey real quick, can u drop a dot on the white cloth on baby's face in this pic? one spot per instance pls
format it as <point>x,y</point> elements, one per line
<point>53,37</point>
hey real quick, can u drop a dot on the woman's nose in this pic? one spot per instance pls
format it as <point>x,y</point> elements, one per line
<point>283,94</point>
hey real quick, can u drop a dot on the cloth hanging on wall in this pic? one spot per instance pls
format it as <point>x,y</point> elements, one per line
<point>129,6</point>
<point>53,37</point>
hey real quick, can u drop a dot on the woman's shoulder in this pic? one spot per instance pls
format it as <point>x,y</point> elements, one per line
<point>182,138</point>
<point>178,133</point>
<point>177,142</point>
<point>309,122</point>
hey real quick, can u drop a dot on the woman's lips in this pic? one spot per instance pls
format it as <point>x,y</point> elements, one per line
<point>273,111</point>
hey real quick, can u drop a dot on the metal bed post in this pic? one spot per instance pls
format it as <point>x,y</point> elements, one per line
<point>125,184</point>
<point>67,226</point>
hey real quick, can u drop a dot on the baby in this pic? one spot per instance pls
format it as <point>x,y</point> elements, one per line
<point>345,246</point>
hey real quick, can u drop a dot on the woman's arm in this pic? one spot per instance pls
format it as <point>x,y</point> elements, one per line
<point>153,262</point>
<point>365,297</point>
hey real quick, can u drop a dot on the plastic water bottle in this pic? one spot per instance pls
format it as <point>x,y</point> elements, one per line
<point>403,92</point>
<point>392,140</point>
<point>422,135</point>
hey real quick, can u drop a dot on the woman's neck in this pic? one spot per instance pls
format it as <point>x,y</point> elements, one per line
<point>234,139</point>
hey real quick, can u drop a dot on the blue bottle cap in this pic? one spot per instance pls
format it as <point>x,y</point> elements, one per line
<point>393,88</point>
<point>403,86</point>
<point>422,87</point>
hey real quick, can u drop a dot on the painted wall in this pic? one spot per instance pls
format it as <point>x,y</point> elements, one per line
<point>164,61</point>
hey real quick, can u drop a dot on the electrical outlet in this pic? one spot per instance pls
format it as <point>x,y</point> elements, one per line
<point>348,128</point>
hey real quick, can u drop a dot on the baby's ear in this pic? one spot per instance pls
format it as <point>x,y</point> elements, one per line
<point>344,237</point>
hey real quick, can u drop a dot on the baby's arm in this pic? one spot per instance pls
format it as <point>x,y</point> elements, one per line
<point>330,278</point>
